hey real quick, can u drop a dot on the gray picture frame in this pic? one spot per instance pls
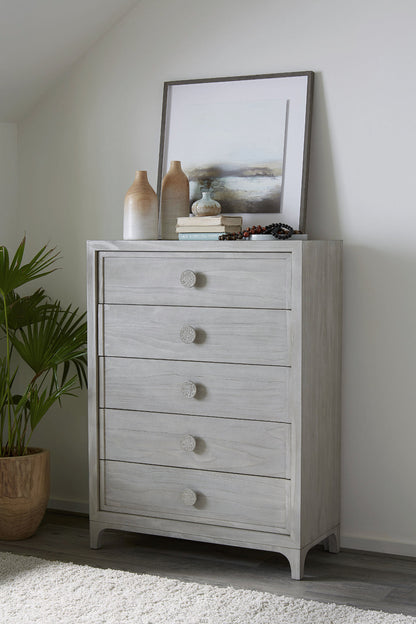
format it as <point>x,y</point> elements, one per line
<point>285,98</point>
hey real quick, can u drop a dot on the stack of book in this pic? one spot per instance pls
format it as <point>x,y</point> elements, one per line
<point>207,228</point>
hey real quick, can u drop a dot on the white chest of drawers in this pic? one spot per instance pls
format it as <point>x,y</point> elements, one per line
<point>214,383</point>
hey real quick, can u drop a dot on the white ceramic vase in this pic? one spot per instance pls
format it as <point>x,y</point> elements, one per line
<point>206,206</point>
<point>174,199</point>
<point>140,220</point>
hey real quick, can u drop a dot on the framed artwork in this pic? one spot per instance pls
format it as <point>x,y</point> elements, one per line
<point>246,139</point>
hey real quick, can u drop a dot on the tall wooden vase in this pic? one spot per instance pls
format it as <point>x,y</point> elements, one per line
<point>174,199</point>
<point>140,210</point>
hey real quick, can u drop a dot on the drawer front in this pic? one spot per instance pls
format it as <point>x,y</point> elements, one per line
<point>238,335</point>
<point>200,388</point>
<point>223,444</point>
<point>227,280</point>
<point>196,495</point>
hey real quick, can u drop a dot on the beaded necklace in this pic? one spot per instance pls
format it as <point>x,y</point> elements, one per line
<point>281,231</point>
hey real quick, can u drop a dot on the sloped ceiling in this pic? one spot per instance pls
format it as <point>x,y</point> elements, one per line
<point>40,39</point>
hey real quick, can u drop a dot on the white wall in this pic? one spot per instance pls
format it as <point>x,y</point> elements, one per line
<point>8,184</point>
<point>80,147</point>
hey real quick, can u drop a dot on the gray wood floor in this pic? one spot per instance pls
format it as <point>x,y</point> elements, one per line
<point>364,580</point>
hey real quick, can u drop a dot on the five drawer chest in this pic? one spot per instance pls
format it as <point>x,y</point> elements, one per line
<point>214,391</point>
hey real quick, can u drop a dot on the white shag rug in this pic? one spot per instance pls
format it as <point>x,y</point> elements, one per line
<point>35,591</point>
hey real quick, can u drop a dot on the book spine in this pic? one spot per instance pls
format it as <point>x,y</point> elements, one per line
<point>199,235</point>
<point>205,221</point>
<point>181,229</point>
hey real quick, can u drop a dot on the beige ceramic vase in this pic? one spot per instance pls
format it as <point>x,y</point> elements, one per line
<point>24,493</point>
<point>174,199</point>
<point>140,210</point>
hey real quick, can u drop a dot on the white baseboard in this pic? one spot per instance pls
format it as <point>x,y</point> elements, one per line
<point>388,547</point>
<point>68,505</point>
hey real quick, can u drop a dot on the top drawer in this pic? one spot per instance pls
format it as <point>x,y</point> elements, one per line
<point>261,280</point>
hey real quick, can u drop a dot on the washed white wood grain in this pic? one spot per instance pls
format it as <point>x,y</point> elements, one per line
<point>221,498</point>
<point>257,448</point>
<point>140,366</point>
<point>222,390</point>
<point>247,336</point>
<point>247,281</point>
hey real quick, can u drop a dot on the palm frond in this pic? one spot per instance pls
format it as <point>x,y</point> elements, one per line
<point>25,310</point>
<point>44,335</point>
<point>57,338</point>
<point>41,402</point>
<point>14,274</point>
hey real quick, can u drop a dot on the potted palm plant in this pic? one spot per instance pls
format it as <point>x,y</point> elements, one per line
<point>43,358</point>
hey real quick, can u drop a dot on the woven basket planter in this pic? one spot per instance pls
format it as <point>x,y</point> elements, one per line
<point>24,493</point>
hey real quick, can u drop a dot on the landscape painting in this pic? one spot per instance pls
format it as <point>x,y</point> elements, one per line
<point>233,146</point>
<point>245,138</point>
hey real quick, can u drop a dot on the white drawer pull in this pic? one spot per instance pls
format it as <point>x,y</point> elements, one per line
<point>188,279</point>
<point>187,334</point>
<point>188,497</point>
<point>188,443</point>
<point>188,389</point>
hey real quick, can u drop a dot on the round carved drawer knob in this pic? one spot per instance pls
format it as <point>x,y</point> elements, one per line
<point>188,443</point>
<point>188,497</point>
<point>188,279</point>
<point>189,389</point>
<point>187,334</point>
